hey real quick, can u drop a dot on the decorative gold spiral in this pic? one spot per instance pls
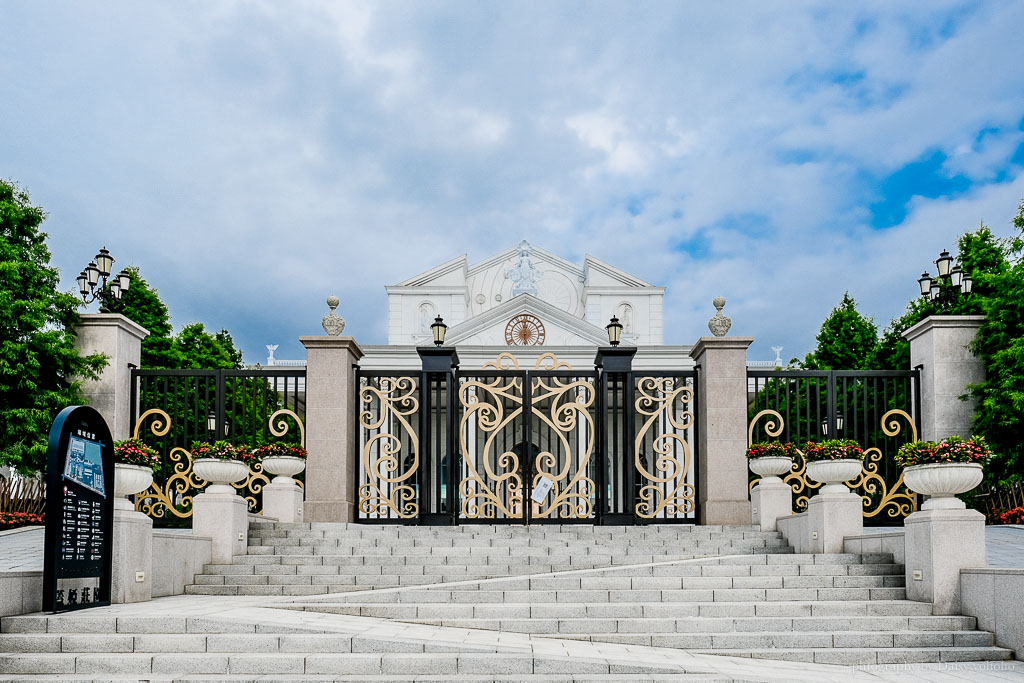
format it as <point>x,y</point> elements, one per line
<point>489,417</point>
<point>182,486</point>
<point>384,489</point>
<point>895,500</point>
<point>282,427</point>
<point>568,410</point>
<point>657,401</point>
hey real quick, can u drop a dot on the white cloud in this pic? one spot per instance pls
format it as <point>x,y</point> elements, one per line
<point>253,158</point>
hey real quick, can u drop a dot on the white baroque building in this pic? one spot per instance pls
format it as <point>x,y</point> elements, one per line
<point>526,301</point>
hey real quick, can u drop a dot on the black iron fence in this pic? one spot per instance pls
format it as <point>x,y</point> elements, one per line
<point>879,409</point>
<point>172,409</point>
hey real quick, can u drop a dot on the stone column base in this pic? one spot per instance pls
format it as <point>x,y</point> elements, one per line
<point>768,501</point>
<point>329,511</point>
<point>832,517</point>
<point>939,544</point>
<point>725,512</point>
<point>283,502</point>
<point>224,519</point>
<point>132,548</point>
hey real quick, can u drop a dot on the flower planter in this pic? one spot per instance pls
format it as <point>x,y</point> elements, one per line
<point>942,481</point>
<point>284,467</point>
<point>834,474</point>
<point>770,467</point>
<point>220,473</point>
<point>129,480</point>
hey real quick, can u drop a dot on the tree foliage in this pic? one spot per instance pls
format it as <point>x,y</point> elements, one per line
<point>846,340</point>
<point>1000,344</point>
<point>39,364</point>
<point>142,304</point>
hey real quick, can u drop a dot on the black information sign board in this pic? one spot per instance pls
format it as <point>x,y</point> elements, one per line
<point>79,511</point>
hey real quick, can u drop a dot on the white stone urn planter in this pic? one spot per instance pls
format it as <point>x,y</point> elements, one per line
<point>129,480</point>
<point>284,467</point>
<point>834,474</point>
<point>942,481</point>
<point>771,467</point>
<point>220,473</point>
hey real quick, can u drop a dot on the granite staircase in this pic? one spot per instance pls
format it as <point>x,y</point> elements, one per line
<point>503,603</point>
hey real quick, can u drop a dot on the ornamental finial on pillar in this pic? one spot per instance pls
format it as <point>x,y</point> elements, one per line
<point>719,323</point>
<point>333,323</point>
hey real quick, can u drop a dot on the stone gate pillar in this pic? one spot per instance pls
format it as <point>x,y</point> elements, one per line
<point>120,339</point>
<point>722,429</point>
<point>941,542</point>
<point>331,436</point>
<point>938,345</point>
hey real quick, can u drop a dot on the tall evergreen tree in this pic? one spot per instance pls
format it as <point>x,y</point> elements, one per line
<point>142,304</point>
<point>846,340</point>
<point>39,365</point>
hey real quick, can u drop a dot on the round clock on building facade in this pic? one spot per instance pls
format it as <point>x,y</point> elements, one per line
<point>524,330</point>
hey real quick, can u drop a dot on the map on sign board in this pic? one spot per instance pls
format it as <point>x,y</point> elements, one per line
<point>84,464</point>
<point>541,490</point>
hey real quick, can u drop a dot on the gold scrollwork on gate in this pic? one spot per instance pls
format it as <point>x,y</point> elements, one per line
<point>568,411</point>
<point>895,500</point>
<point>484,410</point>
<point>508,361</point>
<point>177,490</point>
<point>664,405</point>
<point>389,488</point>
<point>176,494</point>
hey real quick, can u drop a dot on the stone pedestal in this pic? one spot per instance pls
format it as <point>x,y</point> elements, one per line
<point>939,544</point>
<point>132,547</point>
<point>830,518</point>
<point>224,519</point>
<point>331,434</point>
<point>283,502</point>
<point>938,345</point>
<point>771,498</point>
<point>120,340</point>
<point>722,429</point>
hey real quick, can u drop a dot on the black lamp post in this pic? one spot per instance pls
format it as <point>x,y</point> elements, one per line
<point>614,328</point>
<point>958,283</point>
<point>93,280</point>
<point>439,329</point>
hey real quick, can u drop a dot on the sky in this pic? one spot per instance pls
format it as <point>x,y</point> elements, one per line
<point>254,157</point>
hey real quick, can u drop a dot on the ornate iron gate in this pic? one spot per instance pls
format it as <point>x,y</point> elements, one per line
<point>876,408</point>
<point>548,445</point>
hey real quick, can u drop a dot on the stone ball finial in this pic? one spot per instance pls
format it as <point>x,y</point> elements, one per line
<point>333,323</point>
<point>719,323</point>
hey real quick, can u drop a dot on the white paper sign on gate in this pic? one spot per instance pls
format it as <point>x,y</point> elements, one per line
<point>541,490</point>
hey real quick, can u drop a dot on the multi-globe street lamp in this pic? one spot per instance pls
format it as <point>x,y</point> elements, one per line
<point>960,282</point>
<point>93,280</point>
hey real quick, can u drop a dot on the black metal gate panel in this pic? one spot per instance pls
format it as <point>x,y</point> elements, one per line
<point>521,432</point>
<point>547,445</point>
<point>876,408</point>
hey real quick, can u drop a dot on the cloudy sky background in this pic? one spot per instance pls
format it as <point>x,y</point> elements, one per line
<point>253,157</point>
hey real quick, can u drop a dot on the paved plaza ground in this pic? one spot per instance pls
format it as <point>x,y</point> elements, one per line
<point>22,551</point>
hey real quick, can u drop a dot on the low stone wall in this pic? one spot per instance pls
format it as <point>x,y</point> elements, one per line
<point>891,542</point>
<point>995,597</point>
<point>794,529</point>
<point>177,558</point>
<point>20,592</point>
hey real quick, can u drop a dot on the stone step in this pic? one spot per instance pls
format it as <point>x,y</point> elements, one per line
<point>584,582</point>
<point>740,612</point>
<point>710,548</point>
<point>467,594</point>
<point>866,656</point>
<point>702,632</point>
<point>372,664</point>
<point>360,678</point>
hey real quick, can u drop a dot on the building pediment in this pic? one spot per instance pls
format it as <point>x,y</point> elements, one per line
<point>559,327</point>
